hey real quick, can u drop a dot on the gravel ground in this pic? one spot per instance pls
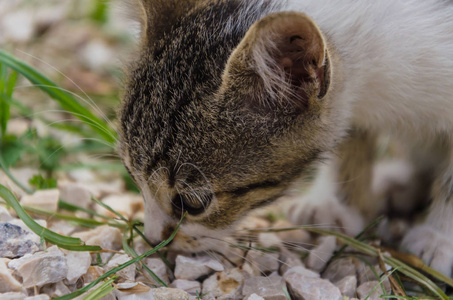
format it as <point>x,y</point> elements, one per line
<point>295,262</point>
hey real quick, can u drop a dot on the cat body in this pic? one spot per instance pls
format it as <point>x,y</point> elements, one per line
<point>229,103</point>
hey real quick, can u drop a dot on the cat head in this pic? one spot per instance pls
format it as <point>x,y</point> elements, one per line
<point>227,104</point>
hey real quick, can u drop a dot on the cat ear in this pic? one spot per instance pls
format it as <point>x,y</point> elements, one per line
<point>287,55</point>
<point>158,16</point>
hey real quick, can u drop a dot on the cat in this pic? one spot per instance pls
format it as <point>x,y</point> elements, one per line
<point>229,103</point>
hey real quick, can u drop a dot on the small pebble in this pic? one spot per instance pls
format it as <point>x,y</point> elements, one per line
<point>347,285</point>
<point>193,268</point>
<point>169,293</point>
<point>78,264</point>
<point>158,267</point>
<point>263,262</point>
<point>42,199</point>
<point>41,268</point>
<point>7,282</point>
<point>340,268</point>
<point>223,285</point>
<point>309,288</point>
<point>75,193</point>
<point>370,289</point>
<point>127,273</point>
<point>271,287</point>
<point>302,271</point>
<point>190,286</point>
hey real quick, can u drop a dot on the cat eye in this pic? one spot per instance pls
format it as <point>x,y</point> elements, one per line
<point>193,204</point>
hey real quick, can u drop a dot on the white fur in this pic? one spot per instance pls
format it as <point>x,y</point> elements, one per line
<point>397,61</point>
<point>321,206</point>
<point>156,218</point>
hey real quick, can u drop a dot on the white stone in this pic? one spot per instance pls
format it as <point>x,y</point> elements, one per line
<point>16,239</point>
<point>78,264</point>
<point>4,215</point>
<point>263,262</point>
<point>302,271</point>
<point>309,288</point>
<point>7,282</point>
<point>249,270</point>
<point>18,126</point>
<point>267,287</point>
<point>254,297</point>
<point>140,245</point>
<point>223,285</point>
<point>97,54</point>
<point>83,175</point>
<point>127,273</point>
<point>93,273</point>
<point>55,289</point>
<point>75,193</point>
<point>321,254</point>
<point>125,204</point>
<point>192,268</point>
<point>22,175</point>
<point>370,289</point>
<point>158,267</point>
<point>41,268</point>
<point>347,286</point>
<point>62,227</point>
<point>367,273</point>
<point>102,189</point>
<point>104,236</point>
<point>289,260</point>
<point>340,268</point>
<point>42,199</point>
<point>12,296</point>
<point>38,297</point>
<point>190,286</point>
<point>17,25</point>
<point>269,240</point>
<point>169,293</point>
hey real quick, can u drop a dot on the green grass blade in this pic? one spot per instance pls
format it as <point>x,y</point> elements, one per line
<point>107,207</point>
<point>101,291</point>
<point>131,252</point>
<point>72,207</point>
<point>61,241</point>
<point>67,101</point>
<point>125,265</point>
<point>10,176</point>
<point>89,223</point>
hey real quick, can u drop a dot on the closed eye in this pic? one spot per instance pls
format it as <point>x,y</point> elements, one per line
<point>193,204</point>
<point>240,191</point>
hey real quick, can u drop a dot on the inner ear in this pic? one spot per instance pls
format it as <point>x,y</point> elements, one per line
<point>288,51</point>
<point>297,47</point>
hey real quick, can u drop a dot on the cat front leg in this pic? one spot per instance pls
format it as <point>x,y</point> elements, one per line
<point>433,240</point>
<point>322,206</point>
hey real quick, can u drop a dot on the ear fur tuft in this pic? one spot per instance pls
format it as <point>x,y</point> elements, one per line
<point>288,52</point>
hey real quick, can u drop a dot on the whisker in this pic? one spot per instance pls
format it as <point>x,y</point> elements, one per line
<point>93,104</point>
<point>194,193</point>
<point>86,121</point>
<point>155,173</point>
<point>199,170</point>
